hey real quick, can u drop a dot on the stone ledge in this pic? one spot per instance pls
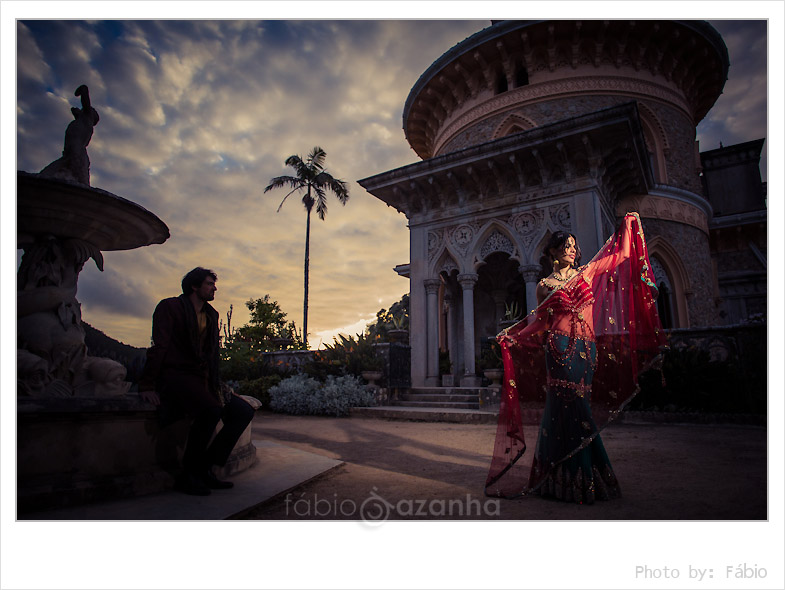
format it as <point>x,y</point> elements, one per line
<point>278,469</point>
<point>72,451</point>
<point>80,405</point>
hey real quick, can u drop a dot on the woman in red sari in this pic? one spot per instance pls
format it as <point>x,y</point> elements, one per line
<point>594,331</point>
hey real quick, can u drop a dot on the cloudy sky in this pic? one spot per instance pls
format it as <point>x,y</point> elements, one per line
<point>198,116</point>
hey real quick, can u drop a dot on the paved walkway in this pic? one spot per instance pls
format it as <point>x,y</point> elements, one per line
<point>355,468</point>
<point>401,470</point>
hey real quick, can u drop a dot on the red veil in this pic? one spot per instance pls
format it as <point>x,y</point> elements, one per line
<point>629,338</point>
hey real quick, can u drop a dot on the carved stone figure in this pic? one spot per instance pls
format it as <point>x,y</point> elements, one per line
<point>52,357</point>
<point>74,166</point>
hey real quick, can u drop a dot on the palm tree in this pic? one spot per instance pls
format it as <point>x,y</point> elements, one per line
<point>311,177</point>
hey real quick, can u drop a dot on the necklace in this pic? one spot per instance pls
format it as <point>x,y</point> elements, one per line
<point>560,279</point>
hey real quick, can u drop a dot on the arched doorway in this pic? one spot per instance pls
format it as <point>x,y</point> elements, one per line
<point>500,287</point>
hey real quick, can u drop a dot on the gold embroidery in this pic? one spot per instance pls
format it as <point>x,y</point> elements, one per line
<point>512,383</point>
<point>611,320</point>
<point>613,394</point>
<point>580,389</point>
<point>612,356</point>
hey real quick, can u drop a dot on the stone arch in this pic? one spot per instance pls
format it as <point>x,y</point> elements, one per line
<point>656,142</point>
<point>496,236</point>
<point>513,123</point>
<point>679,280</point>
<point>445,262</point>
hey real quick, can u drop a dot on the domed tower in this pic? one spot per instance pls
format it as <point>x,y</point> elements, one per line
<point>528,127</point>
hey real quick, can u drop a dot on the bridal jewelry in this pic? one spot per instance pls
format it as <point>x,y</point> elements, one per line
<point>560,279</point>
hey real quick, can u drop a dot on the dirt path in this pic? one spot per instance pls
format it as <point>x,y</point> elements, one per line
<point>402,470</point>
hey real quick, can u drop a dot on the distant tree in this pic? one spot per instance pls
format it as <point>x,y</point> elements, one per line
<point>267,324</point>
<point>267,330</point>
<point>310,177</point>
<point>397,317</point>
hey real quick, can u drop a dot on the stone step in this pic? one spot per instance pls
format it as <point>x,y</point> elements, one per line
<point>447,390</point>
<point>473,405</point>
<point>465,398</point>
<point>438,397</point>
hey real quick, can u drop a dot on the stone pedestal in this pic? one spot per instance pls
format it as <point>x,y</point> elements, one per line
<point>80,450</point>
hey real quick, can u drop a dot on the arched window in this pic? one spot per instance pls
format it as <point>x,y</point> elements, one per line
<point>501,83</point>
<point>664,306</point>
<point>521,77</point>
<point>665,298</point>
<point>656,143</point>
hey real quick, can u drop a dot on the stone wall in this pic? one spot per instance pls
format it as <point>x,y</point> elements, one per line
<point>694,246</point>
<point>679,130</point>
<point>681,158</point>
<point>540,113</point>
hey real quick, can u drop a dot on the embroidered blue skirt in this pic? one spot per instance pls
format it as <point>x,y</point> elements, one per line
<point>570,462</point>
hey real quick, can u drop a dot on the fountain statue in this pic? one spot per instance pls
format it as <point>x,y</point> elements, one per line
<point>62,222</point>
<point>75,165</point>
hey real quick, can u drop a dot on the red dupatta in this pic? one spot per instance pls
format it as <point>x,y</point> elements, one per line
<point>629,338</point>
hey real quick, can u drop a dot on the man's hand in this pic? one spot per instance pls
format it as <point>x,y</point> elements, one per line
<point>151,397</point>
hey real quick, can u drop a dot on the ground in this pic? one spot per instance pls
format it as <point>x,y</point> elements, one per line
<point>436,470</point>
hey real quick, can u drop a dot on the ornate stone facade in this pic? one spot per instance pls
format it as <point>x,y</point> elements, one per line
<point>738,234</point>
<point>532,126</point>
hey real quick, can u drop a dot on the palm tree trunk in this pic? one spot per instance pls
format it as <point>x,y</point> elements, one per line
<point>307,263</point>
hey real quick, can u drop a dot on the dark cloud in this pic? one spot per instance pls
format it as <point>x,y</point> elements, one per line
<point>114,291</point>
<point>198,116</point>
<point>740,113</point>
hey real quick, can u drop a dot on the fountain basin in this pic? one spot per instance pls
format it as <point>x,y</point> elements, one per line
<point>46,206</point>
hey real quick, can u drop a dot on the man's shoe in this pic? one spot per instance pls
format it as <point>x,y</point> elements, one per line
<point>188,483</point>
<point>214,483</point>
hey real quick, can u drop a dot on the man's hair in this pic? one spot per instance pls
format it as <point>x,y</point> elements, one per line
<point>195,278</point>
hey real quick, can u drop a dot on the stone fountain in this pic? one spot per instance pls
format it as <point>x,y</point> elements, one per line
<point>81,437</point>
<point>61,223</point>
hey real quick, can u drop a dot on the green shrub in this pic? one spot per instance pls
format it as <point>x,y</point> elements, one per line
<point>301,395</point>
<point>259,388</point>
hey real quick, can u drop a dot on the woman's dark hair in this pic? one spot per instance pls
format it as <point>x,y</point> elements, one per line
<point>557,242</point>
<point>195,278</point>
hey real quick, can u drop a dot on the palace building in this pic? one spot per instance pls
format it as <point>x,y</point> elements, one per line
<point>528,127</point>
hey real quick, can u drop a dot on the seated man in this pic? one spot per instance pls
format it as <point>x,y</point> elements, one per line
<point>182,366</point>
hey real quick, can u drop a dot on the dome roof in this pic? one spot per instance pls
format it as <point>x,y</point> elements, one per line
<point>689,56</point>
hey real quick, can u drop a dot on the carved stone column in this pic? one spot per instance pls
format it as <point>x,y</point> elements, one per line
<point>468,281</point>
<point>432,339</point>
<point>444,320</point>
<point>531,274</point>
